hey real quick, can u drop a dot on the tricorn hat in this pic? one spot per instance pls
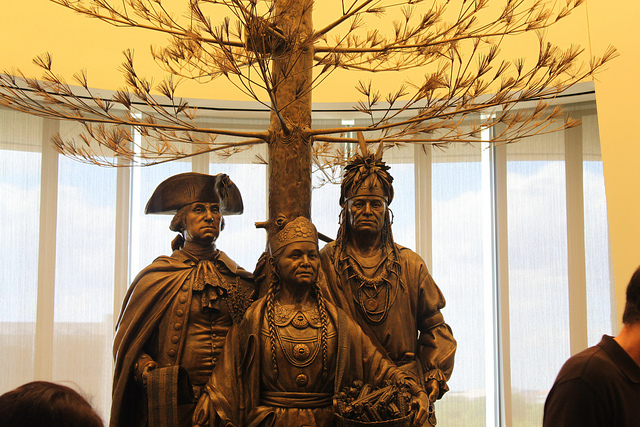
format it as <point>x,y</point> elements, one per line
<point>183,189</point>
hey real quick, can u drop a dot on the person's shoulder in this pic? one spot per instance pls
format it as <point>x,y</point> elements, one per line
<point>255,311</point>
<point>406,252</point>
<point>332,308</point>
<point>254,307</point>
<point>328,249</point>
<point>581,389</point>
<point>162,264</point>
<point>233,267</point>
<point>409,257</point>
<point>591,364</point>
<point>176,256</point>
<point>337,313</point>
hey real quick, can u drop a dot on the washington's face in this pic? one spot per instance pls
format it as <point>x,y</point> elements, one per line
<point>298,264</point>
<point>366,213</point>
<point>202,223</point>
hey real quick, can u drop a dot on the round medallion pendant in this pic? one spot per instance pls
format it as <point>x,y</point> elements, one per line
<point>371,304</point>
<point>299,321</point>
<point>301,352</point>
<point>302,380</point>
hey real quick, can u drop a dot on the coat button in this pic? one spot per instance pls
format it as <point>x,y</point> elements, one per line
<point>179,312</point>
<point>171,353</point>
<point>177,326</point>
<point>175,339</point>
<point>182,299</point>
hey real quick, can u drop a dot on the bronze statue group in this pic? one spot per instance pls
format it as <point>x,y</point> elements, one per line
<point>355,327</point>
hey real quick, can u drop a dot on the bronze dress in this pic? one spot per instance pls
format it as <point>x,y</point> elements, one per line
<point>298,394</point>
<point>245,391</point>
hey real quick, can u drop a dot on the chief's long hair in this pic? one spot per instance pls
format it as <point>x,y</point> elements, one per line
<point>359,169</point>
<point>272,293</point>
<point>345,233</point>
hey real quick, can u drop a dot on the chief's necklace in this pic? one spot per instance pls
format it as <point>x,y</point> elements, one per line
<point>369,288</point>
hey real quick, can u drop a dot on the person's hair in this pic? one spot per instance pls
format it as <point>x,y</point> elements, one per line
<point>631,313</point>
<point>178,224</point>
<point>179,221</point>
<point>42,403</point>
<point>359,169</point>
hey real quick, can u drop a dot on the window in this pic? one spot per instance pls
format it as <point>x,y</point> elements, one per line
<point>516,238</point>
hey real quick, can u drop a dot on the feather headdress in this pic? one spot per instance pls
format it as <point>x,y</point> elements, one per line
<point>362,166</point>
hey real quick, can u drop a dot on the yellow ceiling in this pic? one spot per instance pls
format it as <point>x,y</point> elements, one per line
<point>30,28</point>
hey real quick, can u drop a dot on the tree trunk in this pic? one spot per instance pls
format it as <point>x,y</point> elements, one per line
<point>289,148</point>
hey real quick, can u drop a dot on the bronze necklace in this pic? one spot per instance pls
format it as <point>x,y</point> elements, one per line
<point>298,352</point>
<point>367,301</point>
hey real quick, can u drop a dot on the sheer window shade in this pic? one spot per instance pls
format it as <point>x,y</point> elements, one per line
<point>440,210</point>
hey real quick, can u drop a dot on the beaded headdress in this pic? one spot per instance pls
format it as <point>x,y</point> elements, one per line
<point>298,230</point>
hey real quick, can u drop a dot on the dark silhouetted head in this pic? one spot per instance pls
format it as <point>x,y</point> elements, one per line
<point>631,313</point>
<point>42,403</point>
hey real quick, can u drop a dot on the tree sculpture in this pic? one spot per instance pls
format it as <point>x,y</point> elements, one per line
<point>271,51</point>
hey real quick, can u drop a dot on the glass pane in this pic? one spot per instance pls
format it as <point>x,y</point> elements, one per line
<point>400,159</point>
<point>458,270</point>
<point>20,162</point>
<point>325,209</point>
<point>83,316</point>
<point>538,277</point>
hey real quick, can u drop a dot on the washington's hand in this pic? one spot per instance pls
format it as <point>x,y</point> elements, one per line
<point>149,366</point>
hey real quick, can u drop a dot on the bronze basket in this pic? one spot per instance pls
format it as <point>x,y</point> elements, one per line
<point>398,422</point>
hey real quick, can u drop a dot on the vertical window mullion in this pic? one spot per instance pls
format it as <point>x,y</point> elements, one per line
<point>200,163</point>
<point>423,213</point>
<point>43,347</point>
<point>498,368</point>
<point>501,282</point>
<point>577,280</point>
<point>122,230</point>
<point>134,221</point>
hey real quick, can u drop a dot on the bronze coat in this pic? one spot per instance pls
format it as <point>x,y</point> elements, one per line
<point>417,302</point>
<point>153,302</point>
